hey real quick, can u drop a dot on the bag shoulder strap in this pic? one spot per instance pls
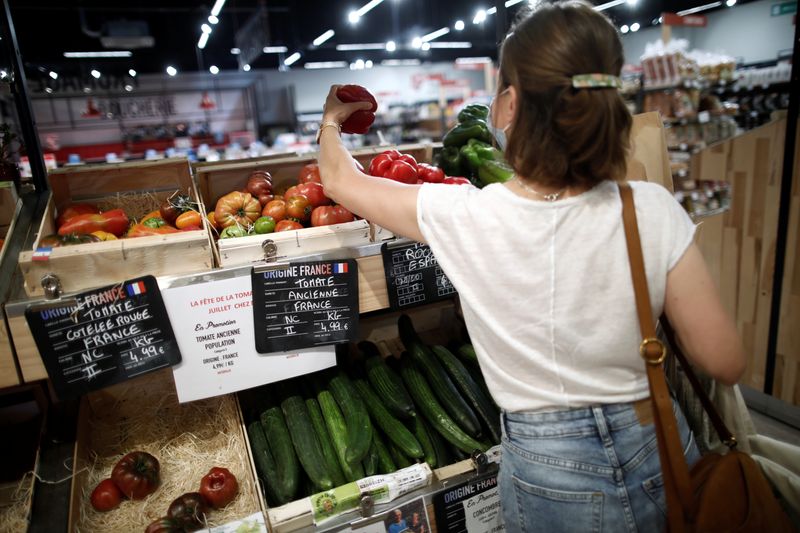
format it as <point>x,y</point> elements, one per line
<point>674,469</point>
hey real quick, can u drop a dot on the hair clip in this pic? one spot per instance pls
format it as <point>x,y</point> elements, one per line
<point>596,81</point>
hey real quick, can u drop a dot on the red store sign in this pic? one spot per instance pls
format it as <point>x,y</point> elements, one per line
<point>696,21</point>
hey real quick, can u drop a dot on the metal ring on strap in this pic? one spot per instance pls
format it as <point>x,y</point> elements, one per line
<point>643,351</point>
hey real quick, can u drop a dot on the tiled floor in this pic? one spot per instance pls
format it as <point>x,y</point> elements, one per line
<point>776,429</point>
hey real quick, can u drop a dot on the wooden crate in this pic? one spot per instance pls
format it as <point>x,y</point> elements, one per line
<point>84,266</point>
<point>144,414</point>
<point>216,181</point>
<point>9,209</point>
<point>435,323</point>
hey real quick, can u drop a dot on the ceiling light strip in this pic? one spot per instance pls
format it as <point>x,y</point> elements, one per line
<point>112,53</point>
<point>324,37</point>
<point>451,44</point>
<point>203,40</point>
<point>360,46</point>
<point>217,7</point>
<point>609,5</point>
<point>698,9</point>
<point>435,34</point>
<point>366,8</point>
<point>326,64</point>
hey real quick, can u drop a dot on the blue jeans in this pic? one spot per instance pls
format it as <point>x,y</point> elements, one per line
<point>586,469</point>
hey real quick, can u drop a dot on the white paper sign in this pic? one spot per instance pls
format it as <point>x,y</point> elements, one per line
<point>213,323</point>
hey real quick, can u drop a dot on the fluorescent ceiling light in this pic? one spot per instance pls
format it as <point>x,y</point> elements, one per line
<point>730,3</point>
<point>292,59</point>
<point>132,73</point>
<point>217,7</point>
<point>246,68</point>
<point>510,3</point>
<point>391,46</point>
<point>95,74</point>
<point>635,27</point>
<point>698,9</point>
<point>368,63</point>
<point>54,75</point>
<point>491,11</point>
<point>435,34</point>
<point>171,70</point>
<point>353,17</point>
<point>325,64</point>
<point>129,88</point>
<point>235,51</point>
<point>212,19</point>
<point>426,46</point>
<point>416,42</point>
<point>609,5</point>
<point>366,8</point>
<point>472,60</point>
<point>113,53</point>
<point>480,16</point>
<point>324,37</point>
<point>205,28</point>
<point>450,44</point>
<point>360,46</point>
<point>48,90</point>
<point>401,62</point>
<point>201,43</point>
<point>213,69</point>
<point>624,28</point>
<point>274,49</point>
<point>459,25</point>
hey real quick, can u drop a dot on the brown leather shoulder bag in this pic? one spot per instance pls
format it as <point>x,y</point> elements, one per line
<point>721,493</point>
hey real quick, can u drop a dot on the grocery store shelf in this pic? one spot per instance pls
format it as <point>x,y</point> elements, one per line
<point>708,214</point>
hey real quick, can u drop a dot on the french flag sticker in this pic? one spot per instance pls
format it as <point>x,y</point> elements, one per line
<point>136,288</point>
<point>42,254</point>
<point>340,268</point>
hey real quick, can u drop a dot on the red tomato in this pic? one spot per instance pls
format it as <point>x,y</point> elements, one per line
<point>324,216</point>
<point>408,158</point>
<point>314,192</point>
<point>342,214</point>
<point>287,225</point>
<point>308,173</point>
<point>275,209</point>
<point>298,207</point>
<point>237,208</point>
<point>137,475</point>
<point>456,180</point>
<point>106,496</point>
<point>219,487</point>
<point>164,524</point>
<point>264,199</point>
<point>259,182</point>
<point>74,210</point>
<point>189,510</point>
<point>380,165</point>
<point>403,172</point>
<point>291,191</point>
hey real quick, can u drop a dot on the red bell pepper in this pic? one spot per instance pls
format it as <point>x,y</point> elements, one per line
<point>430,173</point>
<point>393,165</point>
<point>456,180</point>
<point>114,221</point>
<point>360,121</point>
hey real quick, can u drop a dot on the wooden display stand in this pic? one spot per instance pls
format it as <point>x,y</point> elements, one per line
<point>216,181</point>
<point>739,245</point>
<point>96,264</point>
<point>10,205</point>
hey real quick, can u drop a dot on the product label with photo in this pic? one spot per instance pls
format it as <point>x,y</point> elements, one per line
<point>213,323</point>
<point>104,336</point>
<point>305,305</point>
<point>413,276</point>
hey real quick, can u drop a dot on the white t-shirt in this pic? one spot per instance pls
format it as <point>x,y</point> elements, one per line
<point>546,288</point>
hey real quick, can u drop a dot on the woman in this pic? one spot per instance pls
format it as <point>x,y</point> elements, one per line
<point>541,268</point>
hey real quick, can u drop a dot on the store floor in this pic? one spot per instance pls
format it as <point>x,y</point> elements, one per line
<point>770,427</point>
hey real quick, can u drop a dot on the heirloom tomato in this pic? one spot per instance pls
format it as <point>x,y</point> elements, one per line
<point>259,183</point>
<point>189,510</point>
<point>164,524</point>
<point>275,209</point>
<point>309,173</point>
<point>287,225</point>
<point>219,487</point>
<point>237,208</point>
<point>298,207</point>
<point>137,475</point>
<point>106,496</point>
<point>314,192</point>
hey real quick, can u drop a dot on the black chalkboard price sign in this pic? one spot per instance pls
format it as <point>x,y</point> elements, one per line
<point>104,336</point>
<point>413,276</point>
<point>302,305</point>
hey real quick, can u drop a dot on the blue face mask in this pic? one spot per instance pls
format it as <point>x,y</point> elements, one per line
<point>499,134</point>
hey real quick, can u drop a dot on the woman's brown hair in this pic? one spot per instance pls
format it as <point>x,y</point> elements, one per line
<point>562,136</point>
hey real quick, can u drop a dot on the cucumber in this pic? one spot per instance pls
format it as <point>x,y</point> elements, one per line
<point>328,451</point>
<point>467,353</point>
<point>389,387</point>
<point>430,408</point>
<point>287,469</point>
<point>385,463</point>
<point>306,443</point>
<point>441,447</point>
<point>392,428</point>
<point>422,432</point>
<point>370,462</point>
<point>265,463</point>
<point>470,390</point>
<point>338,432</point>
<point>359,428</point>
<point>442,385</point>
<point>397,456</point>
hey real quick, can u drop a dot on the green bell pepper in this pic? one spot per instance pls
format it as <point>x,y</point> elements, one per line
<point>463,132</point>
<point>495,171</point>
<point>474,111</point>
<point>475,152</point>
<point>451,162</point>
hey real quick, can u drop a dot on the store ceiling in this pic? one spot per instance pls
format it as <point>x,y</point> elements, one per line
<point>48,28</point>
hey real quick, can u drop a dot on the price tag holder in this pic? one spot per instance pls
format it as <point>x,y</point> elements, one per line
<point>104,336</point>
<point>305,304</point>
<point>413,276</point>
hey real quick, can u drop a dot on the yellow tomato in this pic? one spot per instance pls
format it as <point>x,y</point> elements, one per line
<point>104,235</point>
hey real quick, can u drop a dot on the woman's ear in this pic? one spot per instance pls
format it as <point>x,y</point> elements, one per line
<point>508,107</point>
